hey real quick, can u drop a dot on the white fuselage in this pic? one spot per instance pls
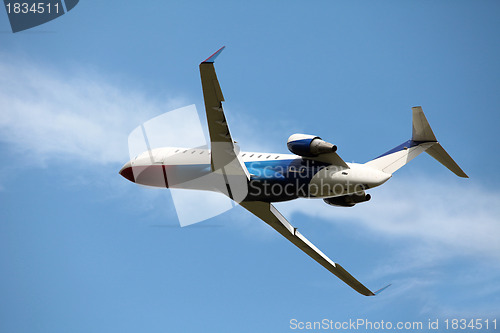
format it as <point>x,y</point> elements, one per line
<point>275,177</point>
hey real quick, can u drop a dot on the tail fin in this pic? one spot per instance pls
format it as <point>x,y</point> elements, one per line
<point>423,139</point>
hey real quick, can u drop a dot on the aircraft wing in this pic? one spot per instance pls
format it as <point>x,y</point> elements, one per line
<point>269,214</point>
<point>224,155</point>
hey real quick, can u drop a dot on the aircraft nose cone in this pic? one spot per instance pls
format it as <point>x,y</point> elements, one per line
<point>127,173</point>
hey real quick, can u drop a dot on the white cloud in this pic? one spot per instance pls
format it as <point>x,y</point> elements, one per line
<point>48,114</point>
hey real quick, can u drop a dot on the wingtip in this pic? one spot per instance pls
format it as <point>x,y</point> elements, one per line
<point>381,290</point>
<point>211,59</point>
<point>462,174</point>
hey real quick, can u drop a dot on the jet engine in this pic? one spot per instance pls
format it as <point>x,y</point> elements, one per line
<point>309,145</point>
<point>347,200</point>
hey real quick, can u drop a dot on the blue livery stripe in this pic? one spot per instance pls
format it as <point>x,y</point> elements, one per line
<point>406,144</point>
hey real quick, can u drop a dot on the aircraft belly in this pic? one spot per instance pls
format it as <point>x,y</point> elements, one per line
<point>272,190</point>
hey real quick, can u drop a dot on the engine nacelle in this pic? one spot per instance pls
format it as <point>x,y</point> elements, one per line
<point>309,145</point>
<point>347,200</point>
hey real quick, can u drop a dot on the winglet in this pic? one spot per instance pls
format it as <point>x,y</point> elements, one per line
<point>211,59</point>
<point>382,289</point>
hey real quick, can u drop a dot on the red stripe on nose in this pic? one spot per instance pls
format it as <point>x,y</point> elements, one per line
<point>127,172</point>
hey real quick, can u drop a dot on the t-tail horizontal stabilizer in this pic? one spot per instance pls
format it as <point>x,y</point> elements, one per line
<point>423,139</point>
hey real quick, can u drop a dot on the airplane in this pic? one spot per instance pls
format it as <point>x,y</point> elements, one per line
<point>255,180</point>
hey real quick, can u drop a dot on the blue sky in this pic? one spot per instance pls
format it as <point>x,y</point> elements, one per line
<point>83,250</point>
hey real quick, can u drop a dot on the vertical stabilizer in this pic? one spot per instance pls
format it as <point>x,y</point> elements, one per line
<point>421,130</point>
